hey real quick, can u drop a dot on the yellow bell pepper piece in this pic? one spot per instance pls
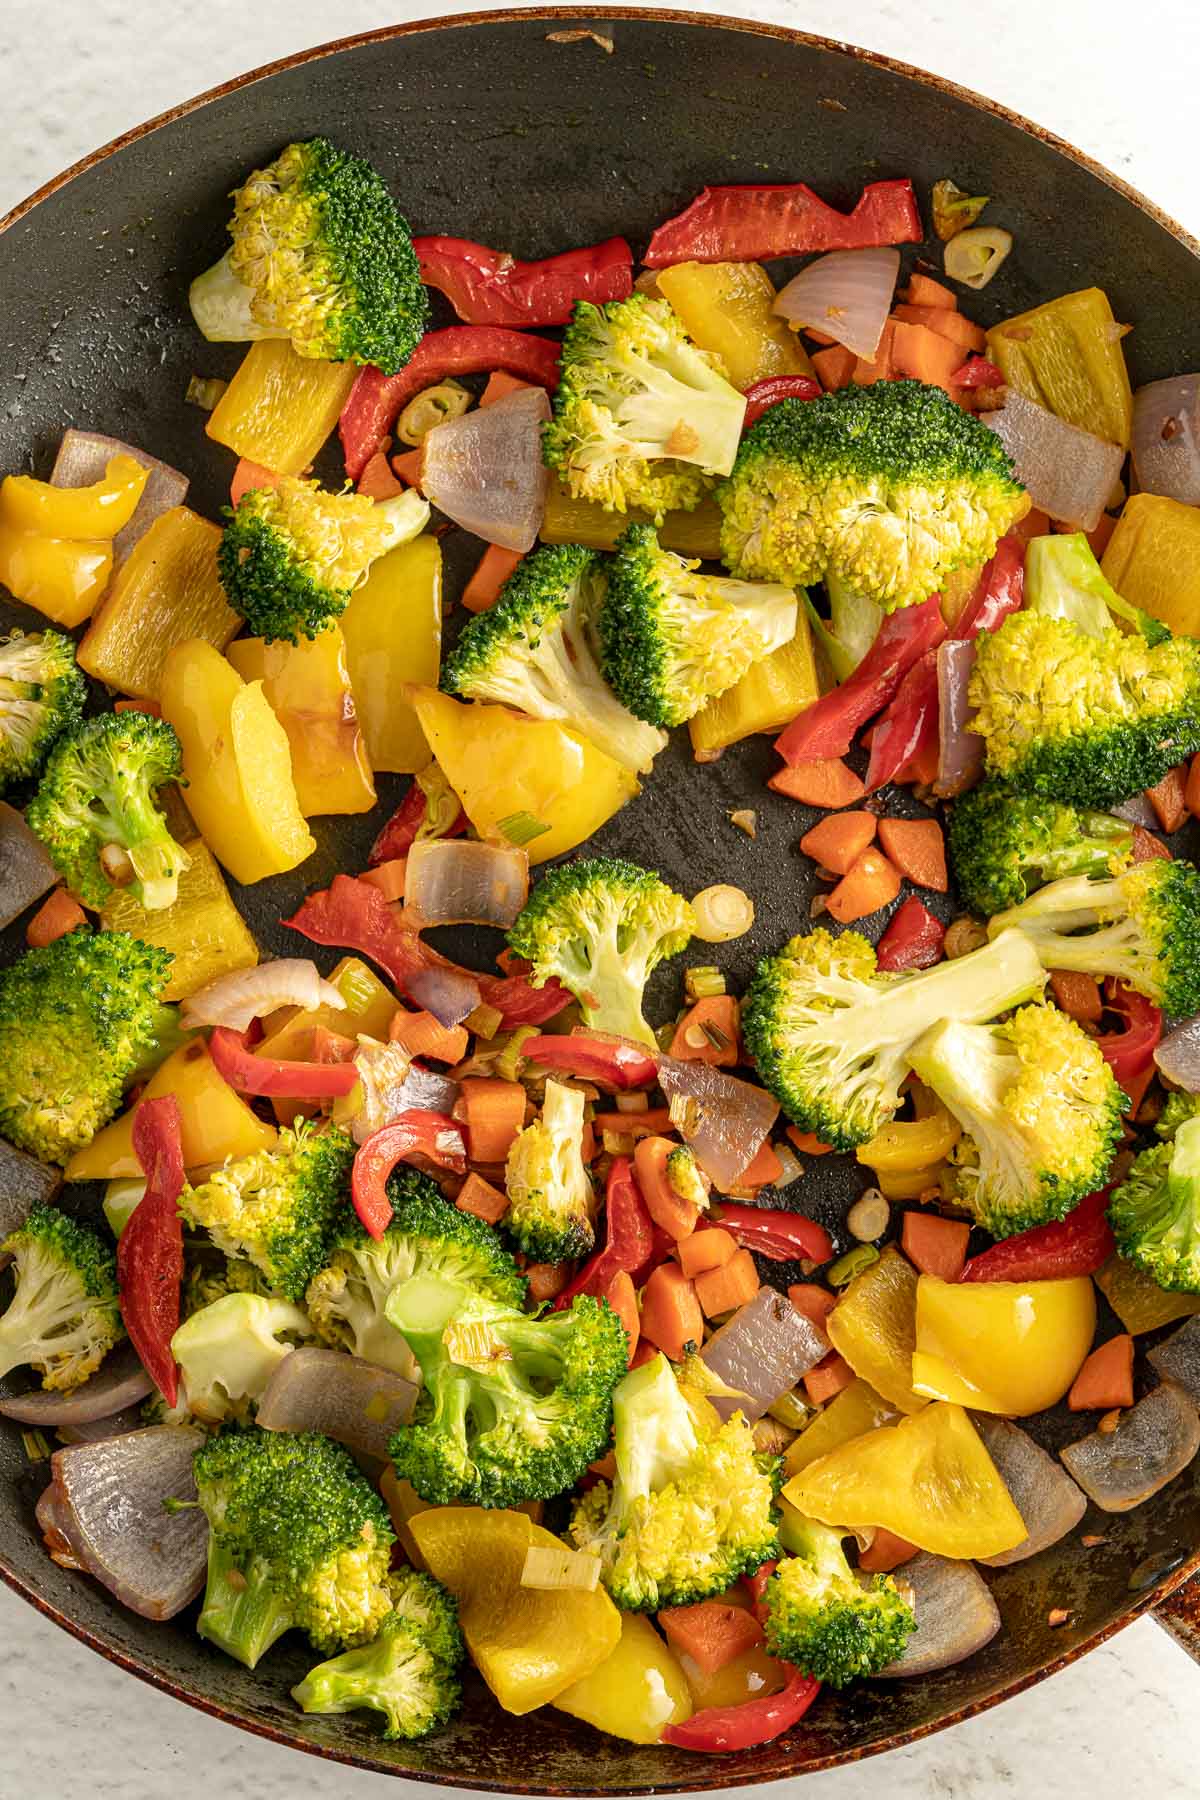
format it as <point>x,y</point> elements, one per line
<point>636,1691</point>
<point>59,577</point>
<point>393,633</point>
<point>1138,1301</point>
<point>928,1479</point>
<point>1011,1347</point>
<point>570,521</point>
<point>873,1326</point>
<point>1067,356</point>
<point>908,1144</point>
<point>501,765</point>
<point>280,407</point>
<point>910,1184</point>
<point>1153,560</point>
<point>97,511</point>
<point>726,309</point>
<point>215,1122</point>
<point>166,591</point>
<point>529,1645</point>
<point>368,1012</point>
<point>307,686</point>
<point>857,1409</point>
<point>203,929</point>
<point>768,696</point>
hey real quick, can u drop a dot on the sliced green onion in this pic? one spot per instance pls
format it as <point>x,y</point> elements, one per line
<point>703,983</point>
<point>791,1411</point>
<point>954,209</point>
<point>510,1062</point>
<point>36,1447</point>
<point>431,407</point>
<point>552,1570</point>
<point>205,391</point>
<point>485,1021</point>
<point>843,1271</point>
<point>520,828</point>
<point>974,256</point>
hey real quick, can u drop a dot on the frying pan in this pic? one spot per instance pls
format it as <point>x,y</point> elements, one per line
<point>488,129</point>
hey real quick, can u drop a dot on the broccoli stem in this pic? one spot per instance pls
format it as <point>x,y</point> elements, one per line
<point>242,1613</point>
<point>221,304</point>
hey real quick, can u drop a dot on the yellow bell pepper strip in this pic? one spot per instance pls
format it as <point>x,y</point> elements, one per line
<point>1066,355</point>
<point>393,635</point>
<point>307,686</point>
<point>927,1478</point>
<point>529,1645</point>
<point>768,696</point>
<point>636,1691</point>
<point>570,521</point>
<point>280,407</point>
<point>166,591</point>
<point>873,1326</point>
<point>215,1123</point>
<point>856,1410</point>
<point>1153,560</point>
<point>1138,1301</point>
<point>58,577</point>
<point>726,308</point>
<point>203,930</point>
<point>912,1183</point>
<point>97,511</point>
<point>1011,1347</point>
<point>908,1144</point>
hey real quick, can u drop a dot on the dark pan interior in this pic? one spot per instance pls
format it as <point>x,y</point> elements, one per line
<point>487,130</point>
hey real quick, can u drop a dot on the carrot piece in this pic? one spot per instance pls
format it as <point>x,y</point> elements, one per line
<point>1134,1088</point>
<point>814,1301</point>
<point>923,290</point>
<point>422,1035</point>
<point>924,355</point>
<point>480,1198</point>
<point>921,768</point>
<point>826,783</point>
<point>710,1032</point>
<point>711,1632</point>
<point>671,1316</point>
<point>934,1245</point>
<point>1191,792</point>
<point>654,1122</point>
<point>819,337</point>
<point>546,1280</point>
<point>408,467</point>
<point>645,1352</point>
<point>834,367</point>
<point>622,1297</point>
<point>1100,534</point>
<point>887,1552</point>
<point>377,480</point>
<point>59,913</point>
<point>249,475</point>
<point>708,1248</point>
<point>763,1169</point>
<point>918,849</point>
<point>1106,1378</point>
<point>947,323</point>
<point>836,842</point>
<point>605,1467</point>
<point>388,877</point>
<point>499,385</point>
<point>493,570</point>
<point>869,883</point>
<point>587,1144</point>
<point>1169,798</point>
<point>495,1113</point>
<point>808,1142</point>
<point>880,367</point>
<point>331,1046</point>
<point>676,1215</point>
<point>723,1290</point>
<point>143,706</point>
<point>1077,994</point>
<point>1146,846</point>
<point>827,1379</point>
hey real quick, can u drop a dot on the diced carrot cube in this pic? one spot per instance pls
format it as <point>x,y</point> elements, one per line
<point>546,1280</point>
<point>480,1198</point>
<point>925,355</point>
<point>377,480</point>
<point>492,571</point>
<point>408,467</point>
<point>711,1632</point>
<point>881,366</point>
<point>499,385</point>
<point>1077,994</point>
<point>723,1290</point>
<point>1146,846</point>
<point>918,849</point>
<point>826,782</point>
<point>1106,1378</point>
<point>834,367</point>
<point>813,1300</point>
<point>622,1297</point>
<point>871,882</point>
<point>1169,798</point>
<point>948,324</point>
<point>807,1142</point>
<point>59,913</point>
<point>934,1245</point>
<point>710,1032</point>
<point>495,1112</point>
<point>887,1551</point>
<point>923,290</point>
<point>388,877</point>
<point>837,841</point>
<point>671,1316</point>
<point>707,1248</point>
<point>827,1379</point>
<point>763,1169</point>
<point>422,1035</point>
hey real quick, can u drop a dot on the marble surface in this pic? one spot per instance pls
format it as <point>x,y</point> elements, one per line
<point>73,74</point>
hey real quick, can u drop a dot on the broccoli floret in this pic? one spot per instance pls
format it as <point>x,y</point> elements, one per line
<point>533,650</point>
<point>641,416</point>
<point>692,1507</point>
<point>299,1537</point>
<point>1155,1212</point>
<point>684,1175</point>
<point>203,1280</point>
<point>600,926</point>
<point>292,555</point>
<point>1080,717</point>
<point>822,1619</point>
<point>1040,1111</point>
<point>41,696</point>
<point>550,1198</point>
<point>321,256</point>
<point>1004,844</point>
<point>75,1017</point>
<point>1142,927</point>
<point>63,1318</point>
<point>277,1207</point>
<point>408,1673</point>
<point>886,488</point>
<point>830,1034</point>
<point>94,809</point>
<point>672,639</point>
<point>229,1350</point>
<point>1063,580</point>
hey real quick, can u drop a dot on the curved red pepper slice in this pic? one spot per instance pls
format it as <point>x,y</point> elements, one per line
<point>629,1241</point>
<point>762,395</point>
<point>977,372</point>
<point>487,287</point>
<point>720,1729</point>
<point>1130,1053</point>
<point>1077,1245</point>
<point>756,1587</point>
<point>150,1249</point>
<point>998,592</point>
<point>827,728</point>
<point>251,1074</point>
<point>756,223</point>
<point>773,1232</point>
<point>913,939</point>
<point>431,1136</point>
<point>615,1063</point>
<point>401,831</point>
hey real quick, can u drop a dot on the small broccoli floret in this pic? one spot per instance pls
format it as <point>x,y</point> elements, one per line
<point>1040,1111</point>
<point>94,809</point>
<point>1155,1212</point>
<point>550,1198</point>
<point>1142,926</point>
<point>203,1280</point>
<point>533,650</point>
<point>41,696</point>
<point>692,1507</point>
<point>683,1173</point>
<point>299,1538</point>
<point>600,926</point>
<point>278,1206</point>
<point>887,488</point>
<point>321,256</point>
<point>75,1017</point>
<point>641,416</point>
<point>63,1318</point>
<point>1004,844</point>
<point>830,1034</point>
<point>672,639</point>
<point>229,1350</point>
<point>1063,580</point>
<point>823,1620</point>
<point>408,1673</point>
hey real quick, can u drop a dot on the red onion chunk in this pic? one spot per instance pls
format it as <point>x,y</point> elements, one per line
<point>453,881</point>
<point>427,1090</point>
<point>1178,1055</point>
<point>119,1425</point>
<point>847,294</point>
<point>82,459</point>
<point>1068,472</point>
<point>24,1182</point>
<point>960,750</point>
<point>26,872</point>
<point>485,470</point>
<point>1166,438</point>
<point>762,1352</point>
<point>356,1402</point>
<point>242,996</point>
<point>955,1612</point>
<point>1177,1359</point>
<point>120,1382</point>
<point>1153,1441</point>
<point>449,994</point>
<point>1043,1493</point>
<point>1137,810</point>
<point>52,1518</point>
<point>724,1120</point>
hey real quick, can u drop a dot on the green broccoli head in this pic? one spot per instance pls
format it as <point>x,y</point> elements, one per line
<point>75,1018</point>
<point>409,1672</point>
<point>1004,844</point>
<point>1142,927</point>
<point>1155,1212</point>
<point>228,1351</point>
<point>1083,717</point>
<point>672,639</point>
<point>1040,1110</point>
<point>550,1199</point>
<point>830,1034</point>
<point>41,696</point>
<point>94,809</point>
<point>641,416</point>
<point>823,1620</point>
<point>600,926</point>
<point>204,1279</point>
<point>692,1507</point>
<point>887,488</point>
<point>533,650</point>
<point>63,1318</point>
<point>320,256</point>
<point>685,1176</point>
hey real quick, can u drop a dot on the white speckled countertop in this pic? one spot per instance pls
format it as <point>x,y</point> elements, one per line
<point>74,73</point>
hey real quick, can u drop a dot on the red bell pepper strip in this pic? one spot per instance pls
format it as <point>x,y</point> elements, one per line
<point>762,395</point>
<point>518,1001</point>
<point>756,1586</point>
<point>376,400</point>
<point>487,287</point>
<point>411,1136</point>
<point>977,372</point>
<point>629,1241</point>
<point>251,1074</point>
<point>1077,1245</point>
<point>150,1250</point>
<point>720,1729</point>
<point>405,825</point>
<point>913,939</point>
<point>1130,1053</point>
<point>773,1232</point>
<point>826,729</point>
<point>754,224</point>
<point>615,1063</point>
<point>998,592</point>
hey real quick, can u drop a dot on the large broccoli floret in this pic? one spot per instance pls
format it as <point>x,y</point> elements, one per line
<point>1040,1111</point>
<point>41,696</point>
<point>822,1619</point>
<point>63,1318</point>
<point>228,1351</point>
<point>692,1507</point>
<point>671,639</point>
<point>1142,927</point>
<point>550,1198</point>
<point>641,416</point>
<point>830,1034</point>
<point>75,1018</point>
<point>94,809</point>
<point>600,926</point>
<point>1155,1213</point>
<point>1004,844</point>
<point>320,255</point>
<point>277,1207</point>
<point>408,1673</point>
<point>533,650</point>
<point>887,488</point>
<point>299,1537</point>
